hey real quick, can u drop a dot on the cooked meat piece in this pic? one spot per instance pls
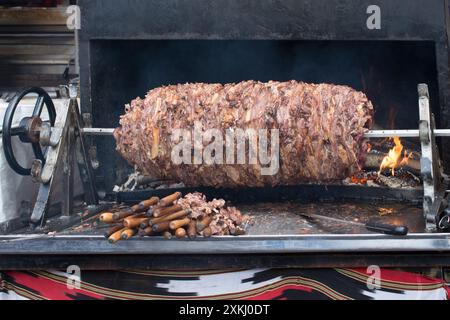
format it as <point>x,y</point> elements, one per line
<point>223,220</point>
<point>198,205</point>
<point>321,130</point>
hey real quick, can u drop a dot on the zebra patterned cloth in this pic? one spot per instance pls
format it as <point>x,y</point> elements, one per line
<point>253,284</point>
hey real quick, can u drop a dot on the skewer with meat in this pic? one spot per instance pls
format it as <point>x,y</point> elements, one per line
<point>321,130</point>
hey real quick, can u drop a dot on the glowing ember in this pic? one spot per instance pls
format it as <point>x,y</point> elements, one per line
<point>358,180</point>
<point>394,158</point>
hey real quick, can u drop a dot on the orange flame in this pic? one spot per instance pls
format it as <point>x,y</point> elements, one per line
<point>394,159</point>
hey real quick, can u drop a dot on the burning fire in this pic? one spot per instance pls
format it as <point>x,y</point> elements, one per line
<point>394,158</point>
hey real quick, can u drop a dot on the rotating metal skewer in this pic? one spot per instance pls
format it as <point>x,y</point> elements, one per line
<point>370,134</point>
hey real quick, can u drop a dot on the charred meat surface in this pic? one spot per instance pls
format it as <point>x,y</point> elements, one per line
<point>321,130</point>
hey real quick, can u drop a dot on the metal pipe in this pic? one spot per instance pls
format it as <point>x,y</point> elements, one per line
<point>371,134</point>
<point>98,131</point>
<point>404,133</point>
<point>392,133</point>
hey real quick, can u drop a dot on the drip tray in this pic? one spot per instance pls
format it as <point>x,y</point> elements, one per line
<point>285,218</point>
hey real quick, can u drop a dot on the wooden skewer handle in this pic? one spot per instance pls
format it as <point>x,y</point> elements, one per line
<point>145,224</point>
<point>144,205</point>
<point>146,232</point>
<point>107,217</point>
<point>123,214</point>
<point>159,212</point>
<point>132,222</point>
<point>180,233</point>
<point>170,217</point>
<point>128,233</point>
<point>112,230</point>
<point>170,199</point>
<point>167,235</point>
<point>161,227</point>
<point>116,236</point>
<point>176,224</point>
<point>192,230</point>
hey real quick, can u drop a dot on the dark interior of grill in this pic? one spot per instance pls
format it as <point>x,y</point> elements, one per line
<point>387,71</point>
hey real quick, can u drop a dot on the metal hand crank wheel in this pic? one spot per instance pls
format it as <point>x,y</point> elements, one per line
<point>28,130</point>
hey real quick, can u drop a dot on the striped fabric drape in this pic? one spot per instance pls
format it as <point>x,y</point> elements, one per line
<point>254,284</point>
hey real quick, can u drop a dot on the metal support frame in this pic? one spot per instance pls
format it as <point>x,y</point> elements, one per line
<point>434,184</point>
<point>65,136</point>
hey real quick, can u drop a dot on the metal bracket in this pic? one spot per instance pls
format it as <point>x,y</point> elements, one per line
<point>64,136</point>
<point>434,184</point>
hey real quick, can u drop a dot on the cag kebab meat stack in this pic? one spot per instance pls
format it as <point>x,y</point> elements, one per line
<point>190,216</point>
<point>321,131</point>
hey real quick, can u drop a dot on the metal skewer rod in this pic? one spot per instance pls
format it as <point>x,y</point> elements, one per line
<point>404,133</point>
<point>371,134</point>
<point>98,131</point>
